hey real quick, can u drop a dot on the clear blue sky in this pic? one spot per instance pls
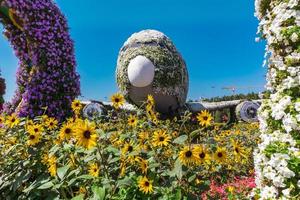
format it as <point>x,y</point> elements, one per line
<point>216,39</point>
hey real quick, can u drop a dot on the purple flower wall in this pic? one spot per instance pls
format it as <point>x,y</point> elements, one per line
<point>46,77</point>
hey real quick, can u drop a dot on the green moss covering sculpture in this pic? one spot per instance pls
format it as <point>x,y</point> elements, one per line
<point>170,82</point>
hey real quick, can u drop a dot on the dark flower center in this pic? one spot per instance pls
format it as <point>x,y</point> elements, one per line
<point>220,155</point>
<point>237,150</point>
<point>68,131</point>
<point>36,130</point>
<point>13,120</point>
<point>147,184</point>
<point>87,134</point>
<point>77,104</point>
<point>202,155</point>
<point>117,100</point>
<point>205,118</point>
<point>95,170</point>
<point>188,154</point>
<point>51,123</point>
<point>161,139</point>
<point>130,148</point>
<point>31,137</point>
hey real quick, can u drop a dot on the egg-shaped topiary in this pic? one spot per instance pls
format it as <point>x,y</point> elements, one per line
<point>149,63</point>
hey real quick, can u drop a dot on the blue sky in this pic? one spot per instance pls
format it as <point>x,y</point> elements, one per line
<point>216,39</point>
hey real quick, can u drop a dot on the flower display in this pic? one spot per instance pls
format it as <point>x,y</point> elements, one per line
<point>277,159</point>
<point>108,157</point>
<point>46,78</point>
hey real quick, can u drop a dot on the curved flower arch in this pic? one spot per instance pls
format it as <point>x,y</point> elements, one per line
<point>46,78</point>
<point>277,160</point>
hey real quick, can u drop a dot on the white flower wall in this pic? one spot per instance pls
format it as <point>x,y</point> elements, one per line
<point>277,159</point>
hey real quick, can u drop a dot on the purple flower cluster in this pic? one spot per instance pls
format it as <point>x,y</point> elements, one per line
<point>47,80</point>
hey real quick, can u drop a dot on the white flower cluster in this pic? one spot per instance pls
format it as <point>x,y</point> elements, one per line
<point>279,115</point>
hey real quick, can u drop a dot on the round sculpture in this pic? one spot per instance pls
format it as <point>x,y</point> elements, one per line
<point>46,78</point>
<point>149,63</point>
<point>247,111</point>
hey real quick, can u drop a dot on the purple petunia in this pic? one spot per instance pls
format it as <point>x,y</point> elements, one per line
<point>46,77</point>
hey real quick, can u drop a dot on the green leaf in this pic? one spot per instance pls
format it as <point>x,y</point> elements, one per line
<point>99,193</point>
<point>24,176</point>
<point>78,197</point>
<point>61,172</point>
<point>112,149</point>
<point>177,171</point>
<point>86,177</point>
<point>178,194</point>
<point>192,178</point>
<point>125,182</point>
<point>54,149</point>
<point>46,186</point>
<point>181,139</point>
<point>114,160</point>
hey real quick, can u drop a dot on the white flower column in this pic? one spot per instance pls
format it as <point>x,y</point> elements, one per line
<point>277,159</point>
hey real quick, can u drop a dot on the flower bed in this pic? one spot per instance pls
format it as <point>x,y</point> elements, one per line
<point>125,156</point>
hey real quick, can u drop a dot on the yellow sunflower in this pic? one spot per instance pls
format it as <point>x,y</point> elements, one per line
<point>29,122</point>
<point>85,135</point>
<point>117,100</point>
<point>239,152</point>
<point>52,169</point>
<point>203,156</point>
<point>94,170</point>
<point>2,121</point>
<point>51,159</point>
<point>220,155</point>
<point>12,121</point>
<point>66,131</point>
<point>187,156</point>
<point>51,123</point>
<point>45,158</point>
<point>76,106</point>
<point>132,120</point>
<point>128,147</point>
<point>204,118</point>
<point>143,136</point>
<point>35,129</point>
<point>82,190</point>
<point>150,100</point>
<point>72,161</point>
<point>33,139</point>
<point>161,138</point>
<point>143,164</point>
<point>145,185</point>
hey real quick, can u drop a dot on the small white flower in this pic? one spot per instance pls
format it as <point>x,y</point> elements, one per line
<point>298,117</point>
<point>269,173</point>
<point>269,192</point>
<point>279,181</point>
<point>294,37</point>
<point>289,123</point>
<point>286,172</point>
<point>286,192</point>
<point>297,106</point>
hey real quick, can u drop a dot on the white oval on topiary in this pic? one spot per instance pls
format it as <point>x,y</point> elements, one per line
<point>140,71</point>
